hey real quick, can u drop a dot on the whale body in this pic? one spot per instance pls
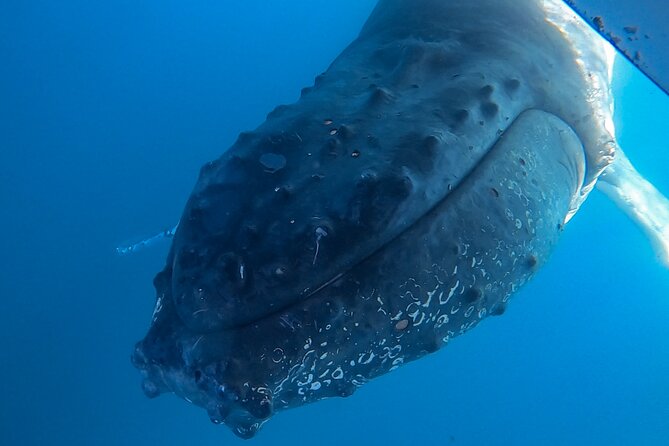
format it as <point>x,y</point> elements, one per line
<point>422,180</point>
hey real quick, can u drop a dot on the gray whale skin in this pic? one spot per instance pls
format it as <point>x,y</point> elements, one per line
<point>422,179</point>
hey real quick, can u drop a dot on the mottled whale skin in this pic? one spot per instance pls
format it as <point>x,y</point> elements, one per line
<point>423,179</point>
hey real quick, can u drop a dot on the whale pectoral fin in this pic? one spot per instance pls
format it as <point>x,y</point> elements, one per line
<point>640,200</point>
<point>131,248</point>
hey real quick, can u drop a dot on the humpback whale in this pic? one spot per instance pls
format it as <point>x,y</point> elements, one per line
<point>423,179</point>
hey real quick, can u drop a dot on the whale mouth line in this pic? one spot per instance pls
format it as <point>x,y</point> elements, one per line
<point>449,194</point>
<point>438,203</point>
<point>463,183</point>
<point>309,294</point>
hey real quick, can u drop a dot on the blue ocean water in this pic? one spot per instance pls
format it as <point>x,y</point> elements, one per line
<point>107,111</point>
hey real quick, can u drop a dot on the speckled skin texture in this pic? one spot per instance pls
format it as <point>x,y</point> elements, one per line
<point>407,194</point>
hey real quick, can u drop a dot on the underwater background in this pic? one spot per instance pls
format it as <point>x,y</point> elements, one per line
<point>107,112</point>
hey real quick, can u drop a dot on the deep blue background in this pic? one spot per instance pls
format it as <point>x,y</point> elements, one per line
<point>107,112</point>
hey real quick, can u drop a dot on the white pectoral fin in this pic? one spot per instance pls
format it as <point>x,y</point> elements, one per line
<point>640,200</point>
<point>132,248</point>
